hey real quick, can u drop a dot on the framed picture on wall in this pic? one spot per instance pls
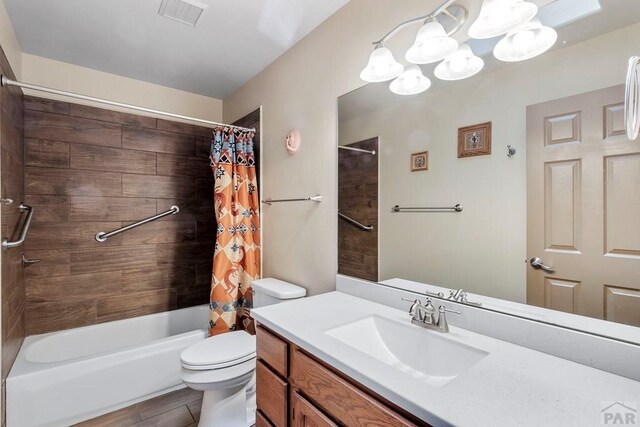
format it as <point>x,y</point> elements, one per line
<point>474,140</point>
<point>420,161</point>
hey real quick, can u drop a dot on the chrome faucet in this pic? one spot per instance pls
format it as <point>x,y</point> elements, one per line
<point>424,315</point>
<point>461,296</point>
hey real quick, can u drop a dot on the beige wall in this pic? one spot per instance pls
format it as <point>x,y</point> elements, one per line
<point>9,41</point>
<point>483,249</point>
<point>300,90</point>
<point>72,78</point>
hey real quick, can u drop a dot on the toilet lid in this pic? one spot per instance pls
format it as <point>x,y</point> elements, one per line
<point>220,351</point>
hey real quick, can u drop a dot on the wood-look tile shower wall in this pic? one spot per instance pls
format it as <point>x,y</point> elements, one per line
<point>88,170</point>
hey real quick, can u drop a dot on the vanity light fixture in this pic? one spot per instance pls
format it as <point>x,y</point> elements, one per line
<point>432,44</point>
<point>498,17</point>
<point>525,42</point>
<point>461,64</point>
<point>382,66</point>
<point>410,82</point>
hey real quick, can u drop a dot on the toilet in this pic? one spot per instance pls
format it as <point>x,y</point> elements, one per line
<point>223,366</point>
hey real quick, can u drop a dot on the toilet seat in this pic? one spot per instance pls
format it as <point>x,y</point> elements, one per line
<point>215,379</point>
<point>220,352</point>
<point>218,365</point>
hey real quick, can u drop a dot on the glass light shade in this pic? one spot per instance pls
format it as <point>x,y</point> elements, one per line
<point>461,64</point>
<point>410,82</point>
<point>525,42</point>
<point>498,17</point>
<point>432,44</point>
<point>382,66</point>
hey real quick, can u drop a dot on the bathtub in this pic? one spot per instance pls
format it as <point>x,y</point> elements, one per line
<point>65,377</point>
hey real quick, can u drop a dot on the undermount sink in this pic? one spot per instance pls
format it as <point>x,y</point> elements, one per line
<point>428,356</point>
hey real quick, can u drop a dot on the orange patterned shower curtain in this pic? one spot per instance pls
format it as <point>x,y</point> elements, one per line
<point>236,260</point>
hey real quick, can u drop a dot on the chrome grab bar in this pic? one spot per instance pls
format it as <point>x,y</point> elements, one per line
<point>354,222</point>
<point>632,99</point>
<point>6,244</point>
<point>102,236</point>
<point>456,208</point>
<point>316,199</point>
<point>359,150</point>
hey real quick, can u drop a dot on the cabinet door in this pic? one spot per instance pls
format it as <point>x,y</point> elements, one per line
<point>262,421</point>
<point>271,395</point>
<point>304,414</point>
<point>273,351</point>
<point>339,398</point>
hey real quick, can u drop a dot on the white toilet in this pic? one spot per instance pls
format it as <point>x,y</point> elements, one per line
<point>224,366</point>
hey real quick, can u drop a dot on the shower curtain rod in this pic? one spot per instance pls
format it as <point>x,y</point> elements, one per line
<point>4,81</point>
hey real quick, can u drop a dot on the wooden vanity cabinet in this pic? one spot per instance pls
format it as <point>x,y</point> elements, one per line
<point>296,389</point>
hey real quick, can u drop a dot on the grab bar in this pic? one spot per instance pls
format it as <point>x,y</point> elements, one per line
<point>102,236</point>
<point>354,222</point>
<point>316,199</point>
<point>456,208</point>
<point>6,244</point>
<point>359,150</point>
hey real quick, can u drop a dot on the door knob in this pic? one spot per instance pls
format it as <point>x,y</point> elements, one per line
<point>538,264</point>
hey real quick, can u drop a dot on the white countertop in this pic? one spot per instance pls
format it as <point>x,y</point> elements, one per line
<point>512,385</point>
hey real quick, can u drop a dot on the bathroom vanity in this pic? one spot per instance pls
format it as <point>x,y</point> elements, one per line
<point>340,359</point>
<point>298,389</point>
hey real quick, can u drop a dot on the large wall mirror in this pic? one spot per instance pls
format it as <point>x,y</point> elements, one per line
<point>533,152</point>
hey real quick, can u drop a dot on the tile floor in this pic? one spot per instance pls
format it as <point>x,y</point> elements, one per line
<point>176,409</point>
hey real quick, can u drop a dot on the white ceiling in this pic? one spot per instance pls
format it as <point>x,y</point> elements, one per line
<point>233,41</point>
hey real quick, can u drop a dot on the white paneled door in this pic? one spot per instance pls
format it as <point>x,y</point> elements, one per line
<point>583,196</point>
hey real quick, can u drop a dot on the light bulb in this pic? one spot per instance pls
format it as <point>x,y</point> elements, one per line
<point>523,40</point>
<point>501,16</point>
<point>497,16</point>
<point>458,63</point>
<point>410,82</point>
<point>381,67</point>
<point>432,44</point>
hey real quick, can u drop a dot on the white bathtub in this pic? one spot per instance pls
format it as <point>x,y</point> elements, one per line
<point>65,377</point>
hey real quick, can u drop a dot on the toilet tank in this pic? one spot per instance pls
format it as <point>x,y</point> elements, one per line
<point>269,291</point>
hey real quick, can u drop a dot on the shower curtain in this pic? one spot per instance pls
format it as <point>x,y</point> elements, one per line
<point>236,259</point>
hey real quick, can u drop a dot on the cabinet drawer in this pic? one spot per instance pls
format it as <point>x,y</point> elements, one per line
<point>304,414</point>
<point>262,421</point>
<point>272,395</point>
<point>338,398</point>
<point>273,351</point>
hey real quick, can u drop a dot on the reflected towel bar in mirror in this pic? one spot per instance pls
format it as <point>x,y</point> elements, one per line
<point>456,208</point>
<point>316,199</point>
<point>359,150</point>
<point>354,222</point>
<point>6,244</point>
<point>102,236</point>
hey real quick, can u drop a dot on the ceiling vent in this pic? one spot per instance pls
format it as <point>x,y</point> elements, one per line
<point>187,12</point>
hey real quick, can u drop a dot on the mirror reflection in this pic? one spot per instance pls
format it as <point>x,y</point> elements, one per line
<point>517,183</point>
